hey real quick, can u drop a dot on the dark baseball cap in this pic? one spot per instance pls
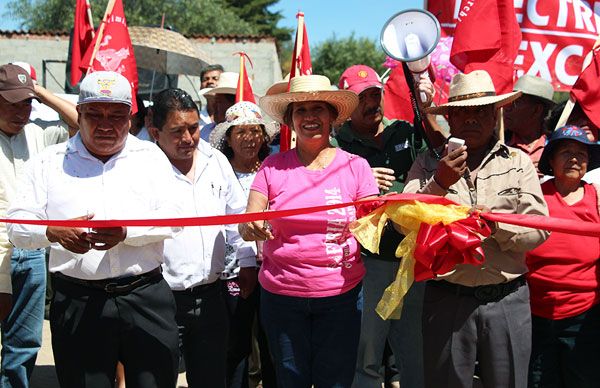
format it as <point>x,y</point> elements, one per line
<point>569,132</point>
<point>16,84</point>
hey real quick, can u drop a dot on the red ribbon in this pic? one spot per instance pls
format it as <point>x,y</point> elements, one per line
<point>537,222</point>
<point>439,248</point>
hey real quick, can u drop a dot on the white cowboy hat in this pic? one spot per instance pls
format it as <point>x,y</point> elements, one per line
<point>242,113</point>
<point>310,88</point>
<point>537,87</point>
<point>473,89</point>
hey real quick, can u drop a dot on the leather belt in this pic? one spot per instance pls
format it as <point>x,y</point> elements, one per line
<point>122,285</point>
<point>487,293</point>
<point>198,289</point>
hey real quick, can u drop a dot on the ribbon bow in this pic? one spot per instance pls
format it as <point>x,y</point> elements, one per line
<point>439,248</point>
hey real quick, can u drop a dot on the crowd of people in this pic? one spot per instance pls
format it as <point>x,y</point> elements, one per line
<point>296,295</point>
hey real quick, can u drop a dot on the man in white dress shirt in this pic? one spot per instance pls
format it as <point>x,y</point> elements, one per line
<point>111,302</point>
<point>205,185</point>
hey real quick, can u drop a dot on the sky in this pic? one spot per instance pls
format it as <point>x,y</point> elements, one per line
<point>323,17</point>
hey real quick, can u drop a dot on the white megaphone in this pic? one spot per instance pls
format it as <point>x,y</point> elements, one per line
<point>410,36</point>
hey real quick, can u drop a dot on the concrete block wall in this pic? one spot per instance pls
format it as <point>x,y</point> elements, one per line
<point>35,48</point>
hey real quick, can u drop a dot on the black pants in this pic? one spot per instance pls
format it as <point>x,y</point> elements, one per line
<point>241,314</point>
<point>203,330</point>
<point>92,330</point>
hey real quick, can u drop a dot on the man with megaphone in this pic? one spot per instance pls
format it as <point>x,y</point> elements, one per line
<point>390,148</point>
<point>480,313</point>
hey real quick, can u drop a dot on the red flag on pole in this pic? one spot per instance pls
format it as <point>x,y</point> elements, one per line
<point>301,65</point>
<point>112,49</point>
<point>244,89</point>
<point>83,34</point>
<point>586,90</point>
<point>397,104</point>
<point>487,37</point>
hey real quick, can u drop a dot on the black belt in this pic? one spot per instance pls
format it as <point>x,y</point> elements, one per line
<point>115,285</point>
<point>487,293</point>
<point>198,289</point>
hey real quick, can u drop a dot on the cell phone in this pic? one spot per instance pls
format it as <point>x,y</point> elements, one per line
<point>455,143</point>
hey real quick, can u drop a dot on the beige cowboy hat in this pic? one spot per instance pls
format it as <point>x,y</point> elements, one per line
<point>242,113</point>
<point>278,87</point>
<point>310,88</point>
<point>473,89</point>
<point>537,87</point>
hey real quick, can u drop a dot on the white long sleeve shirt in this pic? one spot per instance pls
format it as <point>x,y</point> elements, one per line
<point>65,181</point>
<point>197,255</point>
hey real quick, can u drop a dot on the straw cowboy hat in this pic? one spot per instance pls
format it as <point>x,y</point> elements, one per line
<point>473,89</point>
<point>242,113</point>
<point>278,87</point>
<point>310,88</point>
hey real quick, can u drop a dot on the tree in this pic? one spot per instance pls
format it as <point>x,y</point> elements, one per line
<point>333,56</point>
<point>257,13</point>
<point>185,16</point>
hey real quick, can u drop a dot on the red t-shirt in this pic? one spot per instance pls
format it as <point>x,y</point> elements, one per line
<point>563,271</point>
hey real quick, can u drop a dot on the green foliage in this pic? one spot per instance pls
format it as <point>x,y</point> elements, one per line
<point>256,12</point>
<point>333,56</point>
<point>185,16</point>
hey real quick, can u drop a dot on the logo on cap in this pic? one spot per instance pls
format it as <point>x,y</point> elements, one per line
<point>572,130</point>
<point>22,78</point>
<point>363,74</point>
<point>106,86</point>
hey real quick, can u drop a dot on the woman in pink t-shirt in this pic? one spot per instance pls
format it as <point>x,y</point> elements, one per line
<point>311,275</point>
<point>564,272</point>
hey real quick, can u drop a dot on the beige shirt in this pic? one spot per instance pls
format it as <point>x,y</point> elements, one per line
<point>16,150</point>
<point>19,148</point>
<point>506,182</point>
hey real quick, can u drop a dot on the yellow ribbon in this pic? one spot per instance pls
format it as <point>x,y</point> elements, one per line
<point>409,217</point>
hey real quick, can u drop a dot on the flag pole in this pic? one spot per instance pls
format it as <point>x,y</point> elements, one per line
<point>297,68</point>
<point>570,105</point>
<point>109,8</point>
<point>299,42</point>
<point>89,15</point>
<point>240,90</point>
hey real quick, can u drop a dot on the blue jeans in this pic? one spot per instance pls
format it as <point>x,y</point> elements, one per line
<point>404,335</point>
<point>313,341</point>
<point>22,329</point>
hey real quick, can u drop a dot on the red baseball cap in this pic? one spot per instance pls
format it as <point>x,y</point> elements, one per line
<point>358,78</point>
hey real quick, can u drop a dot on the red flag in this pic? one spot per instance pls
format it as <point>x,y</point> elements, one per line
<point>396,98</point>
<point>115,51</point>
<point>586,90</point>
<point>244,89</point>
<point>487,37</point>
<point>83,34</point>
<point>301,65</point>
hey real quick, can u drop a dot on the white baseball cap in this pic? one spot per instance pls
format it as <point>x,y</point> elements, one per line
<point>104,86</point>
